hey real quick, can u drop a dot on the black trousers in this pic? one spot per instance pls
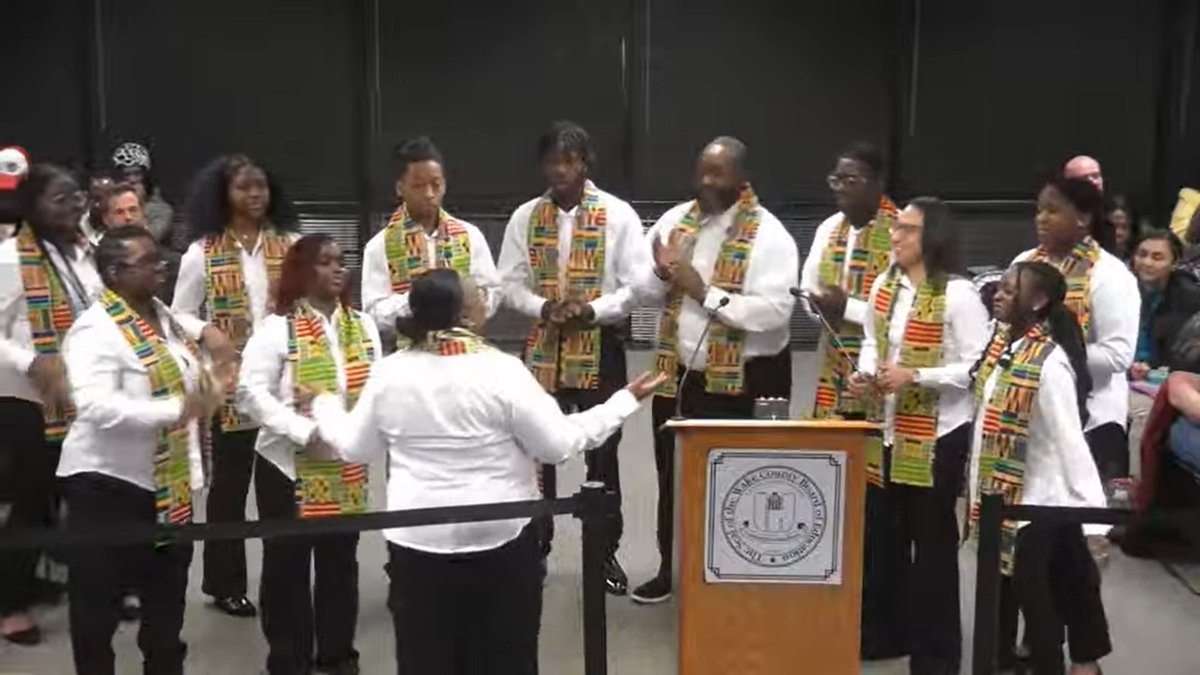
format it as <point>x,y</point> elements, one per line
<point>233,465</point>
<point>468,614</point>
<point>769,376</point>
<point>1056,587</point>
<point>27,464</point>
<point>99,576</point>
<point>910,581</point>
<point>603,463</point>
<point>1110,448</point>
<point>296,609</point>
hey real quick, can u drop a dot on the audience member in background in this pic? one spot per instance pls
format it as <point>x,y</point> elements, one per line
<point>47,279</point>
<point>120,205</point>
<point>1074,237</point>
<point>314,339</point>
<point>460,423</point>
<point>242,224</point>
<point>133,455</point>
<point>1085,168</point>
<point>14,167</point>
<point>1035,376</point>
<point>421,236</point>
<point>1119,214</point>
<point>131,164</point>
<point>927,328</point>
<point>91,225</point>
<point>1170,297</point>
<point>1191,246</point>
<point>571,261</point>
<point>719,255</point>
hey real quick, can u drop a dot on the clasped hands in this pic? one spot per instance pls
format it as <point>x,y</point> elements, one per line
<point>574,312</point>
<point>888,380</point>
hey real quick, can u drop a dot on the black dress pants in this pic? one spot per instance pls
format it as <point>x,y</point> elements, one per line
<point>233,459</point>
<point>603,463</point>
<point>910,580</point>
<point>1110,448</point>
<point>769,376</point>
<point>99,576</point>
<point>468,614</point>
<point>28,464</point>
<point>296,609</point>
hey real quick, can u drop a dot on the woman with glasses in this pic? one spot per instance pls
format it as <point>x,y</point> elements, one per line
<point>132,455</point>
<point>47,279</point>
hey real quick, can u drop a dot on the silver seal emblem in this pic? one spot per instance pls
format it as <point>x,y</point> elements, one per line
<point>773,516</point>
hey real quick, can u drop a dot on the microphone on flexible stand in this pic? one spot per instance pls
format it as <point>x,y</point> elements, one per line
<point>687,367</point>
<point>801,294</point>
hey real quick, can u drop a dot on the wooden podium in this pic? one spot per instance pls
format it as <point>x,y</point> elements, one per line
<point>782,625</point>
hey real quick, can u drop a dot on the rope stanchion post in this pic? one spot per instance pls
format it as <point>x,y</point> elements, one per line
<point>987,586</point>
<point>595,502</point>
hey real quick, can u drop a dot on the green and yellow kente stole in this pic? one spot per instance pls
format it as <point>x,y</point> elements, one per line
<point>407,248</point>
<point>914,435</point>
<point>870,257</point>
<point>228,305</point>
<point>725,371</point>
<point>454,342</point>
<point>1077,269</point>
<point>329,488</point>
<point>1006,418</point>
<point>559,356</point>
<point>172,461</point>
<point>50,317</point>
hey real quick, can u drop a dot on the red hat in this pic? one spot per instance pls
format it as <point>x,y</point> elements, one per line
<point>14,166</point>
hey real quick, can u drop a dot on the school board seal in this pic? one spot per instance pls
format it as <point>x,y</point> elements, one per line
<point>774,516</point>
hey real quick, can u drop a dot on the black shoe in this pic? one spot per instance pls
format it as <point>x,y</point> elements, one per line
<point>131,609</point>
<point>26,638</point>
<point>653,592</point>
<point>345,668</point>
<point>236,606</point>
<point>615,580</point>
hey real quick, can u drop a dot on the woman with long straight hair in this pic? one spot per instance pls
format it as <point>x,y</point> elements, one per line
<point>314,339</point>
<point>927,327</point>
<point>1032,388</point>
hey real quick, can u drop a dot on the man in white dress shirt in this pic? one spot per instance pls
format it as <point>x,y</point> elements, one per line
<point>570,261</point>
<point>421,236</point>
<point>721,258</point>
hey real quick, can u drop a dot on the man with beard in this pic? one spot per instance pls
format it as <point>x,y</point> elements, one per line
<point>721,255</point>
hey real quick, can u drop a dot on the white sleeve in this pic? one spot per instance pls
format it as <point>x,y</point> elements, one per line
<point>356,434</point>
<point>868,356</point>
<point>516,275</point>
<point>260,382</point>
<point>967,327</point>
<point>12,307</point>
<point>96,375</point>
<point>857,311</point>
<point>483,270</point>
<point>190,290</point>
<point>631,262</point>
<point>766,301</point>
<point>1116,307</point>
<point>372,334</point>
<point>1059,410</point>
<point>653,290</point>
<point>544,432</point>
<point>379,301</point>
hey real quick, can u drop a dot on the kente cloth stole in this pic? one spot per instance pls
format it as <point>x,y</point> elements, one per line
<point>50,317</point>
<point>725,371</point>
<point>407,248</point>
<point>455,342</point>
<point>870,257</point>
<point>566,357</point>
<point>228,306</point>
<point>1006,423</point>
<point>172,463</point>
<point>914,435</point>
<point>328,488</point>
<point>1077,269</point>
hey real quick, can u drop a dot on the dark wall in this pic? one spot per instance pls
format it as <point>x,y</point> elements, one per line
<point>970,98</point>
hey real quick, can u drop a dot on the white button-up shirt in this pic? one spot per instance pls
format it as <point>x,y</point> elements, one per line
<point>16,340</point>
<point>385,307</point>
<point>764,307</point>
<point>1059,469</point>
<point>626,260</point>
<point>466,429</point>
<point>117,420</point>
<point>266,386</point>
<point>964,337</point>
<point>857,310</point>
<point>191,288</point>
<point>1116,308</point>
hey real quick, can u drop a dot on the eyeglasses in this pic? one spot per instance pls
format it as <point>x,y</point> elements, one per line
<point>77,199</point>
<point>150,265</point>
<point>837,182</point>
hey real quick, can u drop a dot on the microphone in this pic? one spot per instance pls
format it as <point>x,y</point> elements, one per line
<point>687,367</point>
<point>801,294</point>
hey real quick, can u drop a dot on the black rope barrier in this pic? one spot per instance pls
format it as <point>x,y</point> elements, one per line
<point>591,505</point>
<point>992,513</point>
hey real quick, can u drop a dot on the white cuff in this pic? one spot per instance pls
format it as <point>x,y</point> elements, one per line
<point>712,299</point>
